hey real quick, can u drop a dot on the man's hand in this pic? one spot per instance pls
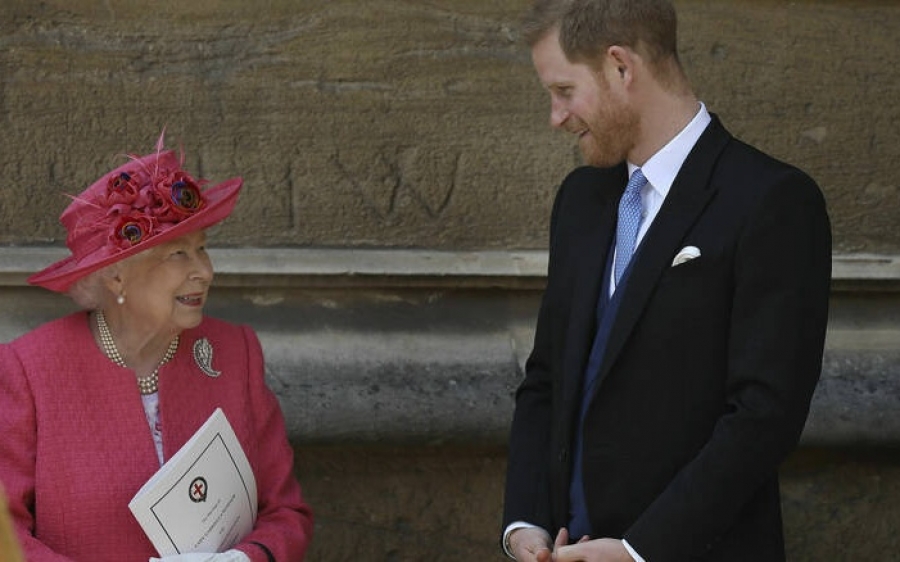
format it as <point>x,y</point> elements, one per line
<point>562,539</point>
<point>598,550</point>
<point>530,544</point>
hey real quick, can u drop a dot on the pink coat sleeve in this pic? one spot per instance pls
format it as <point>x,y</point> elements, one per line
<point>284,524</point>
<point>18,447</point>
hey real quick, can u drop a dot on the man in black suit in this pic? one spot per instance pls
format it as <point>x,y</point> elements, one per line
<point>681,332</point>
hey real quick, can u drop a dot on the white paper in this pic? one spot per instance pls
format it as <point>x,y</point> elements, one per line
<point>204,498</point>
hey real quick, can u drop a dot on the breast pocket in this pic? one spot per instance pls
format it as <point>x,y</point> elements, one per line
<point>695,289</point>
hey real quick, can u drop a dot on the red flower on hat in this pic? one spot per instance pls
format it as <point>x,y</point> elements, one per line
<point>175,196</point>
<point>122,188</point>
<point>124,193</point>
<point>143,203</point>
<point>130,229</point>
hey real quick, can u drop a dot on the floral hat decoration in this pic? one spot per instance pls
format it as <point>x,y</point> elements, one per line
<point>141,204</point>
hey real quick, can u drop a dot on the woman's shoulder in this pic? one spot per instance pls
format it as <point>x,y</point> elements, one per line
<point>51,347</point>
<point>58,331</point>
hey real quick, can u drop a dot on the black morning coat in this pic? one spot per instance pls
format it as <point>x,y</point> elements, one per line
<point>709,369</point>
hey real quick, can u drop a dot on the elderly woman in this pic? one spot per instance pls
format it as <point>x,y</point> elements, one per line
<point>93,403</point>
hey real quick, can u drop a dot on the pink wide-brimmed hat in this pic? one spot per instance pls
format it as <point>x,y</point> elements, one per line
<point>141,204</point>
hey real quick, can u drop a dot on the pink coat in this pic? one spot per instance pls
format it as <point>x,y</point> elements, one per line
<point>75,445</point>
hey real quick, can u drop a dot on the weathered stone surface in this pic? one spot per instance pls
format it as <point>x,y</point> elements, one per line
<point>841,504</point>
<point>408,504</point>
<point>417,347</point>
<point>430,351</point>
<point>404,504</point>
<point>390,123</point>
<point>363,123</point>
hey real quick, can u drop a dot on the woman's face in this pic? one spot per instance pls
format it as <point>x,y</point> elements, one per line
<point>166,286</point>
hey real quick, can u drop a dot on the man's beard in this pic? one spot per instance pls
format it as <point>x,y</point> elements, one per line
<point>611,135</point>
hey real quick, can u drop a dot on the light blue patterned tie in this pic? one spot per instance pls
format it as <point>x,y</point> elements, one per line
<point>629,221</point>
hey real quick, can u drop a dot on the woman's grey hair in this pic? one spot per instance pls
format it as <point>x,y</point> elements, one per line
<point>90,292</point>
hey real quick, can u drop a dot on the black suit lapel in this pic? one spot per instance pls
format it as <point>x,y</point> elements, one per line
<point>686,200</point>
<point>590,241</point>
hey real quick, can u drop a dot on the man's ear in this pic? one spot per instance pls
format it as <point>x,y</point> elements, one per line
<point>621,61</point>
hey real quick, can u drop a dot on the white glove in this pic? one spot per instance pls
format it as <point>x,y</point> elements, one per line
<point>227,556</point>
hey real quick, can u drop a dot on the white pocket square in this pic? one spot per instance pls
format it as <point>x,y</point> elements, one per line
<point>686,254</point>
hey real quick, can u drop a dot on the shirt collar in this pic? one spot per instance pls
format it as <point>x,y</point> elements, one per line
<point>661,169</point>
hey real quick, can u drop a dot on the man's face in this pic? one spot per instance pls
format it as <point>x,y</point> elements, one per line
<point>585,103</point>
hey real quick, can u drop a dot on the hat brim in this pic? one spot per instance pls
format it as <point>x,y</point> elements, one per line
<point>220,201</point>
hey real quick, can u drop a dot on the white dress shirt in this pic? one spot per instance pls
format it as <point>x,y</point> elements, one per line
<point>660,171</point>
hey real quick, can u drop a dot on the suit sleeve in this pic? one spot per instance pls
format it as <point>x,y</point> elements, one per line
<point>782,271</point>
<point>527,496</point>
<point>284,524</point>
<point>18,450</point>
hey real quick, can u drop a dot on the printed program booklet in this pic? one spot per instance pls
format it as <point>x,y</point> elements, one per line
<point>203,499</point>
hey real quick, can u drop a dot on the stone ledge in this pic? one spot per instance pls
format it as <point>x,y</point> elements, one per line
<point>405,346</point>
<point>312,267</point>
<point>436,389</point>
<point>252,267</point>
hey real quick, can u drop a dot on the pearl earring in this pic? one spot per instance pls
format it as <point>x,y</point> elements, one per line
<point>120,299</point>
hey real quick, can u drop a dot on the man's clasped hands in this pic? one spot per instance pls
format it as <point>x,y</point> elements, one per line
<point>533,545</point>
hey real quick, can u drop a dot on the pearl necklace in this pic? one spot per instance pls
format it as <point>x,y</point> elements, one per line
<point>146,385</point>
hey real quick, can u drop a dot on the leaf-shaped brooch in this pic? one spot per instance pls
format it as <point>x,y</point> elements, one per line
<point>203,355</point>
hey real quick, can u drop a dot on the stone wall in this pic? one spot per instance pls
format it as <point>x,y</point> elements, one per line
<point>412,123</point>
<point>364,129</point>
